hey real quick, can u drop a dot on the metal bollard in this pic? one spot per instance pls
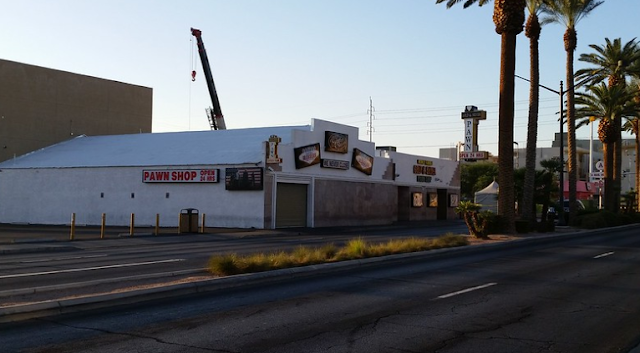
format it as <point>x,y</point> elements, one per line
<point>202,227</point>
<point>102,225</point>
<point>157,224</point>
<point>132,224</point>
<point>73,226</point>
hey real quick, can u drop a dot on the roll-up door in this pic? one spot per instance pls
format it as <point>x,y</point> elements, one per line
<point>291,205</point>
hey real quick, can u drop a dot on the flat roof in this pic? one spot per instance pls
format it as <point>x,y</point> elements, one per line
<point>237,146</point>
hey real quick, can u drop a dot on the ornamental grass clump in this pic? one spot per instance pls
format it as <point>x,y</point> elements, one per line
<point>354,249</point>
<point>231,264</point>
<point>224,264</point>
<point>449,240</point>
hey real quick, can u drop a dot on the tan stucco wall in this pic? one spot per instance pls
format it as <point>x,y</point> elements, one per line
<point>40,107</point>
<point>340,203</point>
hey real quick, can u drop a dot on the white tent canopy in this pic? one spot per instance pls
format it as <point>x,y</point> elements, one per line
<point>488,197</point>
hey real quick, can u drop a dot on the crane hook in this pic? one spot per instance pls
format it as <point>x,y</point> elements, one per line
<point>193,75</point>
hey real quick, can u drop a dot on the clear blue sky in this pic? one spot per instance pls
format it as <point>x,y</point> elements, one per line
<point>283,62</point>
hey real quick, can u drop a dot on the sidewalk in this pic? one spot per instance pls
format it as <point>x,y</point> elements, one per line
<point>18,238</point>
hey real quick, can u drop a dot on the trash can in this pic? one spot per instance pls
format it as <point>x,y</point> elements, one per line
<point>188,220</point>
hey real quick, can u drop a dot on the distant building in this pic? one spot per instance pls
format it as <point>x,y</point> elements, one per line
<point>40,107</point>
<point>582,148</point>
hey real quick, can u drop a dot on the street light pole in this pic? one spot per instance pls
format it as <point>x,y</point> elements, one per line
<point>561,181</point>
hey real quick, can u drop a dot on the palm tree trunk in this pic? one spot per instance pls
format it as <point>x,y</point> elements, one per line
<point>570,38</point>
<point>617,165</point>
<point>528,205</point>
<point>637,135</point>
<point>506,197</point>
<point>608,150</point>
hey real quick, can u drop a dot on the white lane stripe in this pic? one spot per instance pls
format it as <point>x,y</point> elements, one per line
<point>89,268</point>
<point>603,255</point>
<point>62,258</point>
<point>466,290</point>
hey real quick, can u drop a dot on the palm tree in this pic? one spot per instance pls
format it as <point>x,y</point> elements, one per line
<point>508,17</point>
<point>569,13</point>
<point>613,62</point>
<point>633,125</point>
<point>532,30</point>
<point>608,104</point>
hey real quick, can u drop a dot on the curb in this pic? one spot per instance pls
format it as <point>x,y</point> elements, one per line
<point>56,307</point>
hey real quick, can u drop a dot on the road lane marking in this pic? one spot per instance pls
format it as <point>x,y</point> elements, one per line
<point>62,258</point>
<point>603,255</point>
<point>466,290</point>
<point>89,268</point>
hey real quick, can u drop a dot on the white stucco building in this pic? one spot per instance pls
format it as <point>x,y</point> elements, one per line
<point>311,176</point>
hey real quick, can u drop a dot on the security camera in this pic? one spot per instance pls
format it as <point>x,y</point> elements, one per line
<point>270,169</point>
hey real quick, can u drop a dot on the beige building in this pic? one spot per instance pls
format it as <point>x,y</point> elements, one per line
<point>40,107</point>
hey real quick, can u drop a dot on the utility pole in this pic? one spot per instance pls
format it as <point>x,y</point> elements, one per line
<point>371,117</point>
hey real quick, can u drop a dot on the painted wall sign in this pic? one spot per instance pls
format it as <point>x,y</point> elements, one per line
<point>424,170</point>
<point>336,142</point>
<point>362,161</point>
<point>272,153</point>
<point>469,136</point>
<point>417,199</point>
<point>423,179</point>
<point>180,175</point>
<point>453,200</point>
<point>335,164</point>
<point>433,200</point>
<point>474,155</point>
<point>471,117</point>
<point>243,178</point>
<point>307,156</point>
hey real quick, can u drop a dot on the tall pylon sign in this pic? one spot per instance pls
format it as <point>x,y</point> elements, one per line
<point>471,117</point>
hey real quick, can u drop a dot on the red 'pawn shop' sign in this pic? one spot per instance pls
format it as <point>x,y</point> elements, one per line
<point>180,175</point>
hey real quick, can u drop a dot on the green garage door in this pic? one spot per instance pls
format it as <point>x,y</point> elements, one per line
<point>291,205</point>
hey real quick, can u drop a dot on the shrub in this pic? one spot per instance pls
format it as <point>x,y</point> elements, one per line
<point>593,221</point>
<point>281,260</point>
<point>354,249</point>
<point>493,222</point>
<point>522,226</point>
<point>328,251</point>
<point>223,264</point>
<point>609,217</point>
<point>548,226</point>
<point>449,240</point>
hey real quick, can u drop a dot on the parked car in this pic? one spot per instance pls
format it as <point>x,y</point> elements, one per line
<point>552,213</point>
<point>578,202</point>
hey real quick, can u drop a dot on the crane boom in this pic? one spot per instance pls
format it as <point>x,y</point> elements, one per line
<point>216,119</point>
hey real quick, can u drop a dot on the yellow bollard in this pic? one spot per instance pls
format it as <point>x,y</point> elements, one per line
<point>73,226</point>
<point>102,225</point>
<point>203,226</point>
<point>157,224</point>
<point>132,225</point>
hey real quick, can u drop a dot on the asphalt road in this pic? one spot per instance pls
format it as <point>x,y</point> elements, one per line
<point>580,294</point>
<point>80,264</point>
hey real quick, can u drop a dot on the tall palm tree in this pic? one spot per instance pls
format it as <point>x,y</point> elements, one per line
<point>508,17</point>
<point>608,104</point>
<point>569,13</point>
<point>613,62</point>
<point>532,30</point>
<point>633,125</point>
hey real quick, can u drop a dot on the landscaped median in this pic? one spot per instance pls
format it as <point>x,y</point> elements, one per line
<point>232,264</point>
